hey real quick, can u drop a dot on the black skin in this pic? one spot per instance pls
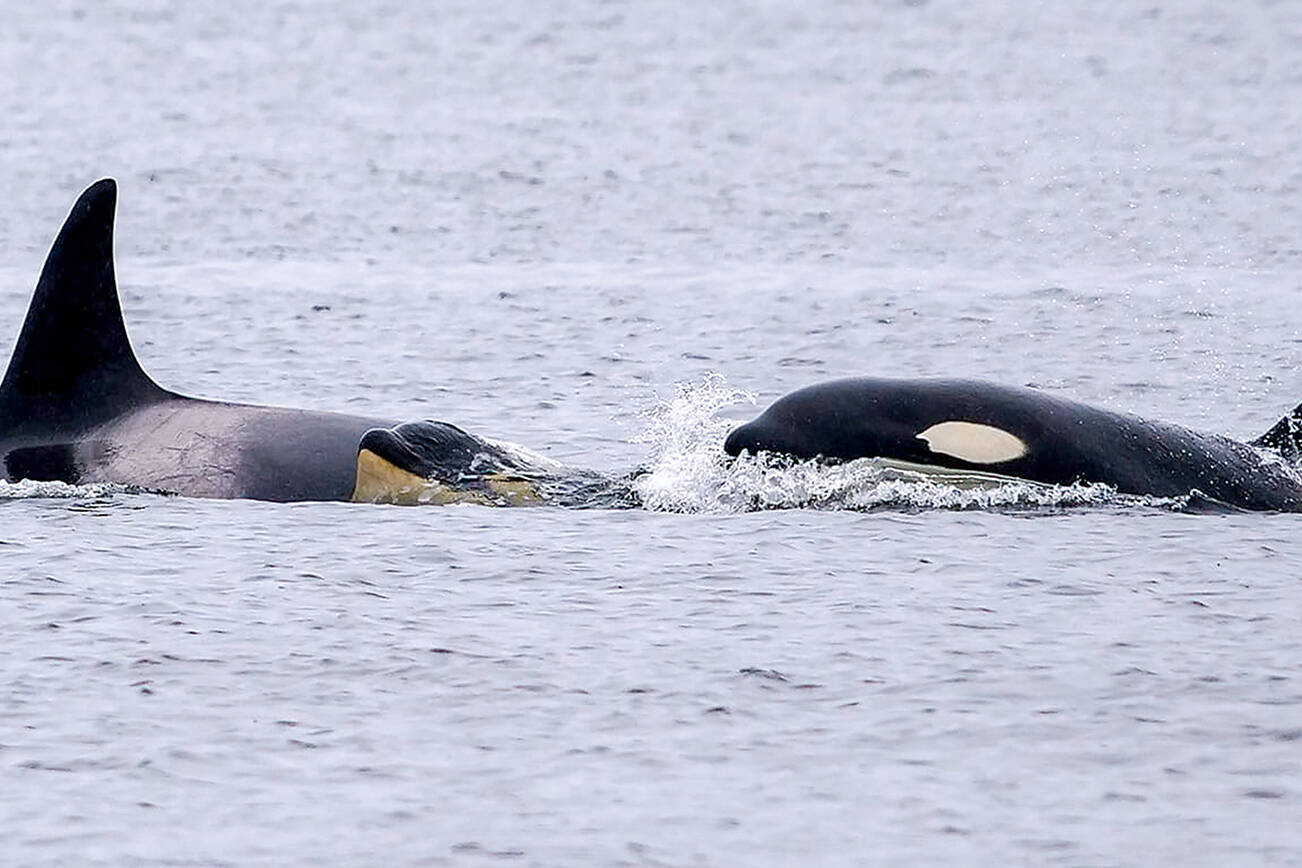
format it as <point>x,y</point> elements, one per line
<point>72,368</point>
<point>439,450</point>
<point>1067,442</point>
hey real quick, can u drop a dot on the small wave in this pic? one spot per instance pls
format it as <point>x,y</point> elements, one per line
<point>523,456</point>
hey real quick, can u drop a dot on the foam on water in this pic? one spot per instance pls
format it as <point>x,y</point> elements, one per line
<point>28,488</point>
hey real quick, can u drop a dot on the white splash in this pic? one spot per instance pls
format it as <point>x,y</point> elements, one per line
<point>686,437</point>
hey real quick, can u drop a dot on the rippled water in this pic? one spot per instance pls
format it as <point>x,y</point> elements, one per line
<point>586,227</point>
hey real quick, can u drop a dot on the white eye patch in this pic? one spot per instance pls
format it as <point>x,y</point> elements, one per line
<point>973,442</point>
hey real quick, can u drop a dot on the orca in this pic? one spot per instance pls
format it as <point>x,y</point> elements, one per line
<point>431,462</point>
<point>76,406</point>
<point>1025,434</point>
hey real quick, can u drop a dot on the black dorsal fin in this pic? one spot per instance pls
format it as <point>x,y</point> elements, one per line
<point>1285,437</point>
<point>73,365</point>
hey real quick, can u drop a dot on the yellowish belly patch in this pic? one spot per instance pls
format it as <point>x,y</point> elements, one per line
<point>381,481</point>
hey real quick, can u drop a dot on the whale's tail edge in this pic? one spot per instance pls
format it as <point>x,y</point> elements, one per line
<point>1285,437</point>
<point>73,363</point>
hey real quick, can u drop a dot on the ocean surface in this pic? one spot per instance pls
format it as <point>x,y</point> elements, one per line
<point>609,231</point>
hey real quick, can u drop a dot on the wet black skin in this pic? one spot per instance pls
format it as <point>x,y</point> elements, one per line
<point>1067,442</point>
<point>439,450</point>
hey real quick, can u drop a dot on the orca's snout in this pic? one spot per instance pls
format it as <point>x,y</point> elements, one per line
<point>773,437</point>
<point>434,450</point>
<point>385,444</point>
<point>742,438</point>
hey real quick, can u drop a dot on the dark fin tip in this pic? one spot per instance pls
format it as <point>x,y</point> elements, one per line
<point>102,194</point>
<point>1285,437</point>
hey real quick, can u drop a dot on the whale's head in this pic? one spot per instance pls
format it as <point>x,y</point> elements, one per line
<point>763,435</point>
<point>953,423</point>
<point>438,463</point>
<point>818,422</point>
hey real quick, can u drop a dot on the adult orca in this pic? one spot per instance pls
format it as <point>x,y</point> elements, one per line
<point>1025,434</point>
<point>77,407</point>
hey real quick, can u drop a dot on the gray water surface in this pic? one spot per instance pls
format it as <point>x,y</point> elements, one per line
<point>589,227</point>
